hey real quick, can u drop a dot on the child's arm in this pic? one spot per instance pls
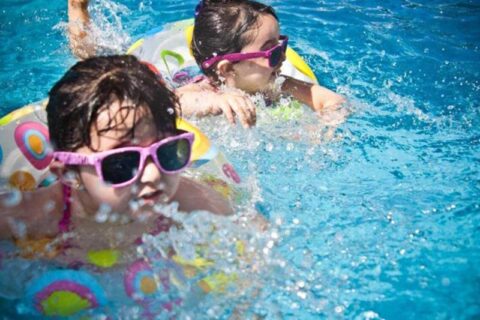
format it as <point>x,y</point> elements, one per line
<point>201,99</point>
<point>318,98</point>
<point>193,196</point>
<point>32,214</point>
<point>78,23</point>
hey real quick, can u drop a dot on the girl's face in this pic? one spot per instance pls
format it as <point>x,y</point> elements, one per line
<point>151,186</point>
<point>255,75</point>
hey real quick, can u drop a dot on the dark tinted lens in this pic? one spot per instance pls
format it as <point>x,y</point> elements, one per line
<point>276,56</point>
<point>174,155</point>
<point>120,167</point>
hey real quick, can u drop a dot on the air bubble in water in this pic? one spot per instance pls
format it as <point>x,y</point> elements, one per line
<point>19,228</point>
<point>49,206</point>
<point>103,213</point>
<point>302,295</point>
<point>339,309</point>
<point>114,217</point>
<point>134,205</point>
<point>13,198</point>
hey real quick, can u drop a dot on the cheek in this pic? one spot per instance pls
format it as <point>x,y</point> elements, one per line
<point>100,193</point>
<point>172,182</point>
<point>253,78</point>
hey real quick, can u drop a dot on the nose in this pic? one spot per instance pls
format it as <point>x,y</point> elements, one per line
<point>150,173</point>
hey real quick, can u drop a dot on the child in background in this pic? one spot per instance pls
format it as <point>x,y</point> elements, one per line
<point>117,155</point>
<point>237,45</point>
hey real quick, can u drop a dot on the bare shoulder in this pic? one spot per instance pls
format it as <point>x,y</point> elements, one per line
<point>35,211</point>
<point>193,195</point>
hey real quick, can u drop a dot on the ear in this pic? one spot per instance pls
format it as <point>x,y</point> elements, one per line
<point>225,69</point>
<point>66,175</point>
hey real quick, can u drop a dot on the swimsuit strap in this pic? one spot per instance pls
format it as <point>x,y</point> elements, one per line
<point>64,223</point>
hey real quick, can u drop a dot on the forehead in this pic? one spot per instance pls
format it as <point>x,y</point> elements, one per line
<point>267,29</point>
<point>122,121</point>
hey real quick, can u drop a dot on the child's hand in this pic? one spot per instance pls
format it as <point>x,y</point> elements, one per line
<point>324,100</point>
<point>82,4</point>
<point>316,97</point>
<point>235,103</point>
<point>78,33</point>
<point>200,101</point>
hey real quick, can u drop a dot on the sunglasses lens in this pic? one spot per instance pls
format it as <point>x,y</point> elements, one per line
<point>120,167</point>
<point>276,56</point>
<point>175,155</point>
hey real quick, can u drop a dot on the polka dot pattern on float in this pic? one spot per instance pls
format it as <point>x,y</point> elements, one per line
<point>140,282</point>
<point>22,180</point>
<point>33,141</point>
<point>64,293</point>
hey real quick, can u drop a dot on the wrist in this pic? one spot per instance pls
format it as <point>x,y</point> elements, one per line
<point>78,4</point>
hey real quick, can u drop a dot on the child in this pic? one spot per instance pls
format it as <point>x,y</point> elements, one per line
<point>236,43</point>
<point>117,155</point>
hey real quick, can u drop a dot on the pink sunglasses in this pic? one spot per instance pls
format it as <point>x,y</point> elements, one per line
<point>275,55</point>
<point>121,167</point>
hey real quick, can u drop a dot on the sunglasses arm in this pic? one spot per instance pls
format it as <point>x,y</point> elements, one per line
<point>74,158</point>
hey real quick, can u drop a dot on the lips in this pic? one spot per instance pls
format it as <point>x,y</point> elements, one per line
<point>150,198</point>
<point>151,195</point>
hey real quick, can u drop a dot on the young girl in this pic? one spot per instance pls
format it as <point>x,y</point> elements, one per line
<point>118,155</point>
<point>237,43</point>
<point>238,47</point>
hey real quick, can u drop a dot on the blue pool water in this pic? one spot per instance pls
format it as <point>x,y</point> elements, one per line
<point>381,221</point>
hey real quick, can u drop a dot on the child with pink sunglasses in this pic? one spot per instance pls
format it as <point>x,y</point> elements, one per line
<point>238,47</point>
<point>237,44</point>
<point>117,155</point>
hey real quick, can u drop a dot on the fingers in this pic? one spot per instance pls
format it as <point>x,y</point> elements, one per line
<point>240,106</point>
<point>252,110</point>
<point>227,111</point>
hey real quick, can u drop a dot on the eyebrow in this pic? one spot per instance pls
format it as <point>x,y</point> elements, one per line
<point>269,44</point>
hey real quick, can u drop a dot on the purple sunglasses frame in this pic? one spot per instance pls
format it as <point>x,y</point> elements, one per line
<point>72,158</point>
<point>235,57</point>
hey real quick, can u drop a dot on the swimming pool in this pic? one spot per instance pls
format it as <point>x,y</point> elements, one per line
<point>382,220</point>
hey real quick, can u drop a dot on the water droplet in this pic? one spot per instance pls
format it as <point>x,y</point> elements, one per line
<point>103,213</point>
<point>302,295</point>
<point>19,228</point>
<point>339,309</point>
<point>49,206</point>
<point>13,198</point>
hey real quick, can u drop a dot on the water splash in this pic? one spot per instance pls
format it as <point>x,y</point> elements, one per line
<point>106,31</point>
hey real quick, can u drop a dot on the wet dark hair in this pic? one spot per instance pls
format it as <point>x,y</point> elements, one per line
<point>221,27</point>
<point>92,85</point>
